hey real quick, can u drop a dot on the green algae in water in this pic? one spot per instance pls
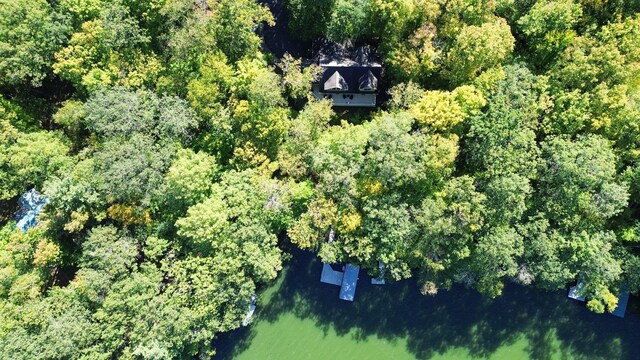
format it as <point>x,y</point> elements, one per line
<point>300,318</point>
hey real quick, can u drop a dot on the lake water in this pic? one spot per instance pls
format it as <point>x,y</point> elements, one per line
<point>300,318</point>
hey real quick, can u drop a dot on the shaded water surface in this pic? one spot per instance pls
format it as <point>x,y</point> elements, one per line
<point>301,318</point>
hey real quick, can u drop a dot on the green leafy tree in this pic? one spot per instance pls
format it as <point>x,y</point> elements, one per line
<point>494,257</point>
<point>337,158</point>
<point>409,40</point>
<point>188,181</point>
<point>448,221</point>
<point>347,20</point>
<point>27,263</point>
<point>546,253</point>
<point>129,170</point>
<point>502,139</point>
<point>308,17</point>
<point>578,186</point>
<point>251,125</point>
<point>548,27</point>
<point>478,48</point>
<point>233,233</point>
<point>31,32</point>
<point>109,50</point>
<point>110,253</point>
<point>59,325</point>
<point>29,159</point>
<point>508,199</point>
<point>206,29</point>
<point>385,233</point>
<point>306,129</point>
<point>297,80</point>
<point>119,112</point>
<point>412,161</point>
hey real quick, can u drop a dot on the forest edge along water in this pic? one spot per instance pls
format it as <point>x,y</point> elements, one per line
<point>299,317</point>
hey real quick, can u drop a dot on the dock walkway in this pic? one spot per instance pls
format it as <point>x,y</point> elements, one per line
<point>349,282</point>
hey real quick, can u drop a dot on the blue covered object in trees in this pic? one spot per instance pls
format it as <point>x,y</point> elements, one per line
<point>31,204</point>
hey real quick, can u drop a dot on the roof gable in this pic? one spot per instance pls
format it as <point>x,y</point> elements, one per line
<point>336,83</point>
<point>368,82</point>
<point>357,79</point>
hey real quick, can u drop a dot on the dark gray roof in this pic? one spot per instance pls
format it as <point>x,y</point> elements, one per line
<point>332,54</point>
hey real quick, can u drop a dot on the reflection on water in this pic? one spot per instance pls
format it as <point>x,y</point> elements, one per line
<point>547,324</point>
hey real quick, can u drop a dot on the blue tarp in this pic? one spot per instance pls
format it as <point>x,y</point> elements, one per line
<point>349,282</point>
<point>31,204</point>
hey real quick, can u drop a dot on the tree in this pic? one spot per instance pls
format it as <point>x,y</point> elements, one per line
<point>458,14</point>
<point>234,26</point>
<point>409,41</point>
<point>188,181</point>
<point>556,258</point>
<point>548,27</point>
<point>347,20</point>
<point>593,86</point>
<point>508,199</point>
<point>599,269</point>
<point>438,111</point>
<point>209,92</point>
<point>393,20</point>
<point>235,224</point>
<point>578,186</point>
<point>8,186</point>
<point>478,48</point>
<point>337,158</point>
<point>68,330</point>
<point>404,95</point>
<point>502,139</point>
<point>306,129</point>
<point>75,197</point>
<point>209,28</point>
<point>494,257</point>
<point>547,253</point>
<point>297,80</point>
<point>109,50</point>
<point>80,11</point>
<point>109,252</point>
<point>138,319</point>
<point>385,234</point>
<point>308,17</point>
<point>31,32</point>
<point>448,221</point>
<point>119,112</point>
<point>70,117</point>
<point>31,159</point>
<point>129,170</point>
<point>251,125</point>
<point>398,158</point>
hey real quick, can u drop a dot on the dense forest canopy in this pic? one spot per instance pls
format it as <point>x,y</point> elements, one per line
<point>181,160</point>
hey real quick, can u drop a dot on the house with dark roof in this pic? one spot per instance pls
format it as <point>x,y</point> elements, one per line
<point>350,77</point>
